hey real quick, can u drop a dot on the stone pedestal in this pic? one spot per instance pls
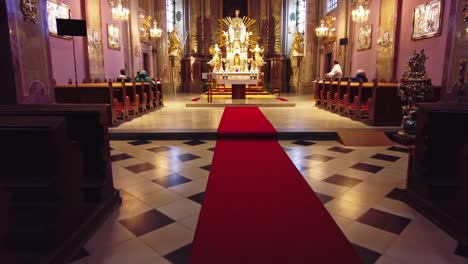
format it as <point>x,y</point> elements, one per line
<point>175,80</point>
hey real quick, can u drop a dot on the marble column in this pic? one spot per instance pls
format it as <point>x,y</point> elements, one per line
<point>95,52</point>
<point>26,70</point>
<point>309,69</point>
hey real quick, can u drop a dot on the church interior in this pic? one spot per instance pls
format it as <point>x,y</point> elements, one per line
<point>217,131</point>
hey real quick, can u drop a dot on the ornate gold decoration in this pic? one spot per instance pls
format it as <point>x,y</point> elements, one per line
<point>385,40</point>
<point>297,45</point>
<point>174,43</point>
<point>30,10</point>
<point>427,20</point>
<point>364,37</point>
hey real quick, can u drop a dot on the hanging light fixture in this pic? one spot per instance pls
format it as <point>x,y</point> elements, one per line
<point>155,32</point>
<point>322,31</point>
<point>119,12</point>
<point>360,14</point>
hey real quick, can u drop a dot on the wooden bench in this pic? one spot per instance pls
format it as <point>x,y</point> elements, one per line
<point>127,100</point>
<point>375,103</point>
<point>41,173</point>
<point>87,126</point>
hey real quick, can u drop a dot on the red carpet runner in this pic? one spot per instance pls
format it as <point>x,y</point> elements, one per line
<point>258,208</point>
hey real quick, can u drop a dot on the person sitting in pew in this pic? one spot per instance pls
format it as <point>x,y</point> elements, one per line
<point>360,75</point>
<point>142,77</point>
<point>123,76</point>
<point>336,71</point>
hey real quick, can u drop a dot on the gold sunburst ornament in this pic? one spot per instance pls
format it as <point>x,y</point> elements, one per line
<point>30,10</point>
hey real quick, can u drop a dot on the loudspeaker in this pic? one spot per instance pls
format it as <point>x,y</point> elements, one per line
<point>343,41</point>
<point>71,27</point>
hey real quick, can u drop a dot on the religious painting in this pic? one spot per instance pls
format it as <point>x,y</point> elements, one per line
<point>427,20</point>
<point>364,37</point>
<point>56,10</point>
<point>113,37</point>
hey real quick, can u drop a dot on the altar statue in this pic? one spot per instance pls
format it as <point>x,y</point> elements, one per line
<point>257,58</point>
<point>215,62</point>
<point>174,43</point>
<point>296,46</point>
<point>237,30</point>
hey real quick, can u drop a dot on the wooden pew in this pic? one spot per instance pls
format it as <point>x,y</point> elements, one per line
<point>41,172</point>
<point>373,103</point>
<point>87,125</point>
<point>121,96</point>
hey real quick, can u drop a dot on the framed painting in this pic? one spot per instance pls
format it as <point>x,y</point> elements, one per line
<point>56,10</point>
<point>427,20</point>
<point>113,37</point>
<point>364,37</point>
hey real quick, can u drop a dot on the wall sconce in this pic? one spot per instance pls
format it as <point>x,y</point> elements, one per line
<point>385,40</point>
<point>322,31</point>
<point>361,12</point>
<point>155,32</point>
<point>119,12</point>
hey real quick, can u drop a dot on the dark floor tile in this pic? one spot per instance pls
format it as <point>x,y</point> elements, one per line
<point>159,149</point>
<point>180,256</point>
<point>324,198</point>
<point>367,167</point>
<point>399,149</point>
<point>139,142</point>
<point>82,253</point>
<point>385,157</point>
<point>342,180</point>
<point>367,256</point>
<point>304,143</point>
<point>198,198</point>
<point>206,167</point>
<point>383,220</point>
<point>318,157</point>
<point>138,168</point>
<point>461,250</point>
<point>397,194</point>
<point>211,149</point>
<point>186,157</point>
<point>171,180</point>
<point>194,142</point>
<point>122,156</point>
<point>341,150</point>
<point>146,222</point>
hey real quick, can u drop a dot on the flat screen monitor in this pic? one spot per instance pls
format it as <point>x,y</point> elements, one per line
<point>71,27</point>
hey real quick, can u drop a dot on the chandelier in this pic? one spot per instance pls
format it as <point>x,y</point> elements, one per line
<point>322,31</point>
<point>119,12</point>
<point>360,14</point>
<point>155,32</point>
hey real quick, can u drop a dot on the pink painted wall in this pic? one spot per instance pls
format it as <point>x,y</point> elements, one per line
<point>61,51</point>
<point>113,59</point>
<point>433,47</point>
<point>366,59</point>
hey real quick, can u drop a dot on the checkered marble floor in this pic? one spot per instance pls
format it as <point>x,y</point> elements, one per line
<point>162,185</point>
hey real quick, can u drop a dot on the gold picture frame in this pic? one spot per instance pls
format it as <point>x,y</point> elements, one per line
<point>113,37</point>
<point>56,10</point>
<point>427,20</point>
<point>364,37</point>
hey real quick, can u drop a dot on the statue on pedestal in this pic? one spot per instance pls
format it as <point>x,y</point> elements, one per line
<point>415,87</point>
<point>174,44</point>
<point>215,62</point>
<point>257,61</point>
